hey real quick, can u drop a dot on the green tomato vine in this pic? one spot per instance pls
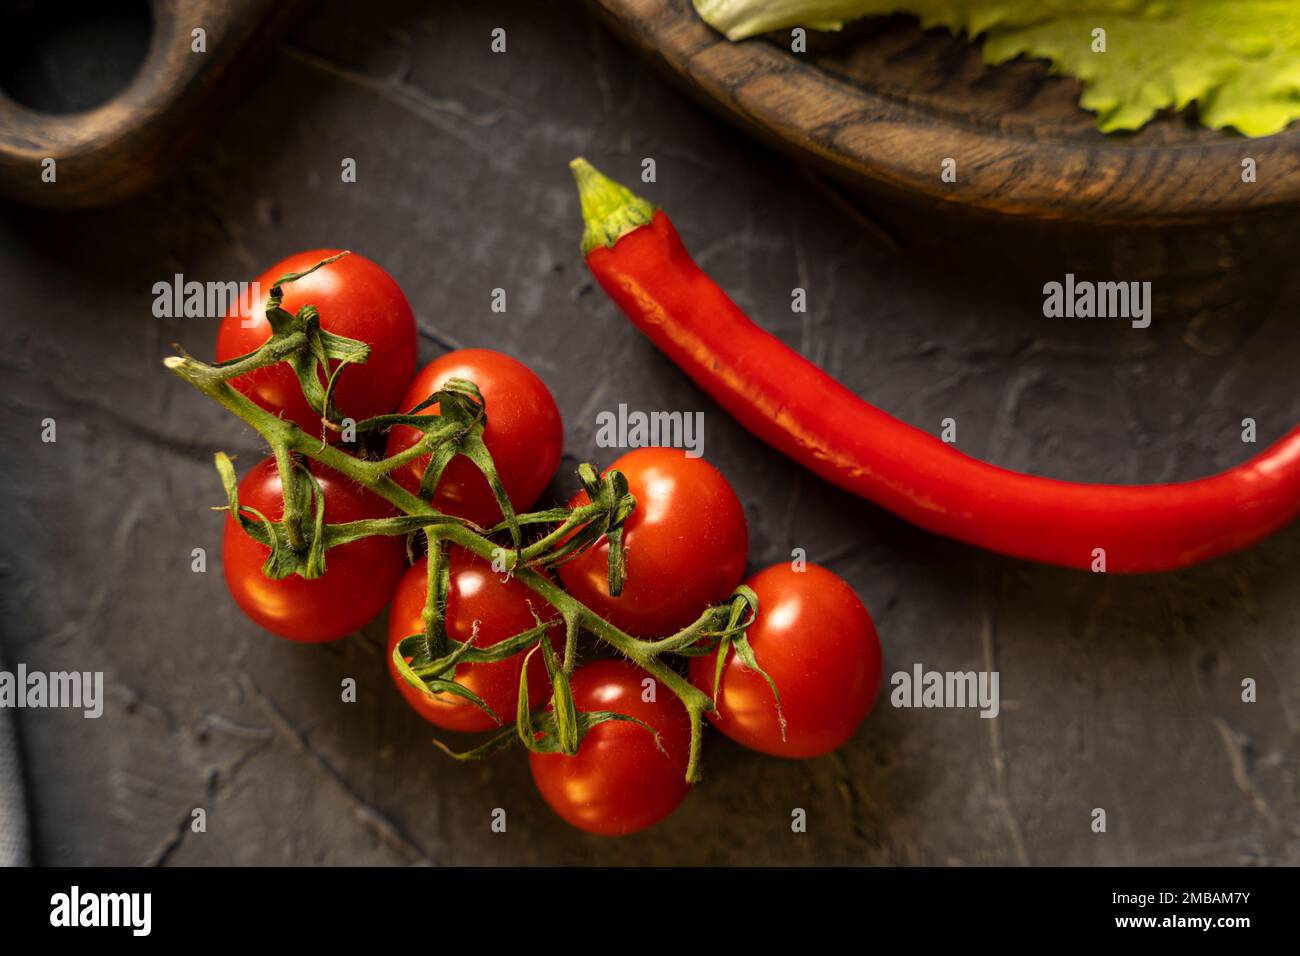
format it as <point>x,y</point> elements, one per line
<point>300,541</point>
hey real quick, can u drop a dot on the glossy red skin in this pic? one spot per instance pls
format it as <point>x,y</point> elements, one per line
<point>359,577</point>
<point>801,411</point>
<point>686,545</point>
<point>502,610</point>
<point>818,643</point>
<point>524,433</point>
<point>355,298</point>
<point>619,782</point>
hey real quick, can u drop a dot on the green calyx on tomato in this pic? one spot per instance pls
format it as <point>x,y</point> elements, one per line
<point>686,545</point>
<point>456,430</point>
<point>305,346</point>
<point>454,621</point>
<point>523,435</point>
<point>628,773</point>
<point>814,640</point>
<point>335,601</point>
<point>336,337</point>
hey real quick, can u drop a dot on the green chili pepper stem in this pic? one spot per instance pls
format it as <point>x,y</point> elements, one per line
<point>609,210</point>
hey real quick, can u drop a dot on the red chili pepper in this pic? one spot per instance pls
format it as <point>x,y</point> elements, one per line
<point>636,255</point>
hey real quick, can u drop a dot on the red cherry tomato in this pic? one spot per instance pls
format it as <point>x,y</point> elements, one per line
<point>619,782</point>
<point>524,434</point>
<point>686,545</point>
<point>500,609</point>
<point>355,298</point>
<point>816,641</point>
<point>359,577</point>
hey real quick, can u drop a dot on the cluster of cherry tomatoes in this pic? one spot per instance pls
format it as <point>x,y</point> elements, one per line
<point>686,548</point>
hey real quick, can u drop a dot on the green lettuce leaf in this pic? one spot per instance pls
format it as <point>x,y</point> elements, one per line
<point>1239,60</point>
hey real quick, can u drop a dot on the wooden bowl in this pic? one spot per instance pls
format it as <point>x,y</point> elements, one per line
<point>881,105</point>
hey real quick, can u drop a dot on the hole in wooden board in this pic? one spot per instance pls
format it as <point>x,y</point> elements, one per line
<point>71,55</point>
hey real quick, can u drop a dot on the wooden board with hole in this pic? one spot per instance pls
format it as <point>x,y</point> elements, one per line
<point>124,145</point>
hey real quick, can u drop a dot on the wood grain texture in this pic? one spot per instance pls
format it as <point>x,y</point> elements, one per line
<point>121,147</point>
<point>882,105</point>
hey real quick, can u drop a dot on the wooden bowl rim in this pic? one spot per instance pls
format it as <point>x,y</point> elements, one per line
<point>853,133</point>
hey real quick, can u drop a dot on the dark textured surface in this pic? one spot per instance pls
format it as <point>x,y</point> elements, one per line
<point>1117,693</point>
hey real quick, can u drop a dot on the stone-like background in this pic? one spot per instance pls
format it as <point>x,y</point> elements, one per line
<point>1117,693</point>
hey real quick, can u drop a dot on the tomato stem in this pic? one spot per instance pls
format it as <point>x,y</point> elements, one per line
<point>293,515</point>
<point>275,350</point>
<point>285,437</point>
<point>435,631</point>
